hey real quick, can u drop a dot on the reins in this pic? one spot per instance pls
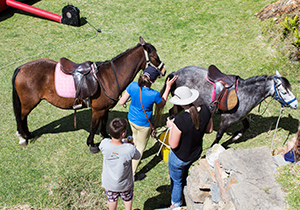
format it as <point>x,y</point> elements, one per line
<point>277,97</point>
<point>281,110</point>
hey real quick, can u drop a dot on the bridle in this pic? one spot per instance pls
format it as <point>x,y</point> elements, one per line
<point>149,63</point>
<point>277,94</point>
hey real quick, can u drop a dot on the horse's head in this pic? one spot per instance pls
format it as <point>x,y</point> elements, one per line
<point>283,93</point>
<point>152,58</point>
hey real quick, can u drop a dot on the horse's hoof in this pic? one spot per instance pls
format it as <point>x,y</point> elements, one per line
<point>22,142</point>
<point>94,149</point>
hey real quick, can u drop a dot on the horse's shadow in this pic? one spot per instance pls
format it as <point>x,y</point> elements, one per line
<point>66,124</point>
<point>258,125</point>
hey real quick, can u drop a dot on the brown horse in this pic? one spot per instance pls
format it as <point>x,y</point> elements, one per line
<point>34,81</point>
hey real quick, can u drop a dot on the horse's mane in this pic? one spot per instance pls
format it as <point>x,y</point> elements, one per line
<point>261,78</point>
<point>98,63</point>
<point>252,80</point>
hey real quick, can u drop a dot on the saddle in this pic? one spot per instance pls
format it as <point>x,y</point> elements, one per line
<point>85,80</point>
<point>225,86</point>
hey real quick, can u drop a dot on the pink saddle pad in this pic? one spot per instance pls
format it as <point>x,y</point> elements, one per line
<point>64,83</point>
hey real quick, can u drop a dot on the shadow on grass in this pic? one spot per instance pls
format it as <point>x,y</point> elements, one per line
<point>66,124</point>
<point>162,200</point>
<point>258,125</point>
<point>10,11</point>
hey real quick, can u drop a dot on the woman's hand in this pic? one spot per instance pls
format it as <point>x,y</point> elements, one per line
<point>171,82</point>
<point>170,122</point>
<point>164,97</point>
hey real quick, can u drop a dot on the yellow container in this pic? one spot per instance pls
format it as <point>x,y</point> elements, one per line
<point>164,137</point>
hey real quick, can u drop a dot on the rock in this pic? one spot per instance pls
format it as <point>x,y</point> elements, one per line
<point>213,153</point>
<point>209,204</point>
<point>241,179</point>
<point>280,161</point>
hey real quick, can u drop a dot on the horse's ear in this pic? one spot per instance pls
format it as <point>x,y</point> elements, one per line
<point>213,68</point>
<point>142,41</point>
<point>277,74</point>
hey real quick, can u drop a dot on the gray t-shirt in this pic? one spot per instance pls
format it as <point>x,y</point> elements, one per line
<point>117,165</point>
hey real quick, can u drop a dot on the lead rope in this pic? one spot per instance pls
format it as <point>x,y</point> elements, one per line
<point>163,142</point>
<point>281,110</point>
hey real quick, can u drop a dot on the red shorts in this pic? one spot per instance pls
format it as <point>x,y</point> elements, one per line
<point>125,196</point>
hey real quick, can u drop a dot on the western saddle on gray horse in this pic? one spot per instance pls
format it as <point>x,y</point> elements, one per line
<point>225,87</point>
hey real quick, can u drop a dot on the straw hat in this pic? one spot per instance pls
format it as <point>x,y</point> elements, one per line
<point>184,96</point>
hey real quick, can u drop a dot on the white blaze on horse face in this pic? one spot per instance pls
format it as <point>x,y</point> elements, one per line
<point>286,95</point>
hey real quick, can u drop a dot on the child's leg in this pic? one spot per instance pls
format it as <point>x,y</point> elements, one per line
<point>112,205</point>
<point>127,198</point>
<point>128,205</point>
<point>112,198</point>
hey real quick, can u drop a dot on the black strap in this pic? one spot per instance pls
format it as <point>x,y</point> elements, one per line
<point>152,127</point>
<point>114,99</point>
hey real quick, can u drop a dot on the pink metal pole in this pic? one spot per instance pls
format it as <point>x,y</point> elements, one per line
<point>34,10</point>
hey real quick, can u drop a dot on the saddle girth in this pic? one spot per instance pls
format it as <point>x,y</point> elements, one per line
<point>224,95</point>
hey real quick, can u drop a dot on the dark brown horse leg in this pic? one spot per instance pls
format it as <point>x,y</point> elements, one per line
<point>24,125</point>
<point>97,116</point>
<point>103,125</point>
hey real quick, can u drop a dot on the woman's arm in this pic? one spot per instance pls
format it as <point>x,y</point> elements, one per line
<point>124,97</point>
<point>174,134</point>
<point>210,126</point>
<point>164,97</point>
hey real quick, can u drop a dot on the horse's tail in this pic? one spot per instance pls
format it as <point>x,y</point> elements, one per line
<point>15,97</point>
<point>158,111</point>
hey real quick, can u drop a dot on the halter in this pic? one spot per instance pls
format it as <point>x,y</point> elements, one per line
<point>277,96</point>
<point>149,63</point>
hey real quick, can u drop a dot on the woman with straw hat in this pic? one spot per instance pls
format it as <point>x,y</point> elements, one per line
<point>185,139</point>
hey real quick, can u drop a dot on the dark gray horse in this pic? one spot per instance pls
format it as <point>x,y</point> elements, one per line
<point>250,93</point>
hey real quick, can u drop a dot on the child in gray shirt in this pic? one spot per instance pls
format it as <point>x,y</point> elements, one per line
<point>117,177</point>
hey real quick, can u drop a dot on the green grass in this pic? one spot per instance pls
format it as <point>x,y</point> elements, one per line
<point>289,179</point>
<point>56,170</point>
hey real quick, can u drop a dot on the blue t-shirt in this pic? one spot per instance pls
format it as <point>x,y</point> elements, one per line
<point>149,97</point>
